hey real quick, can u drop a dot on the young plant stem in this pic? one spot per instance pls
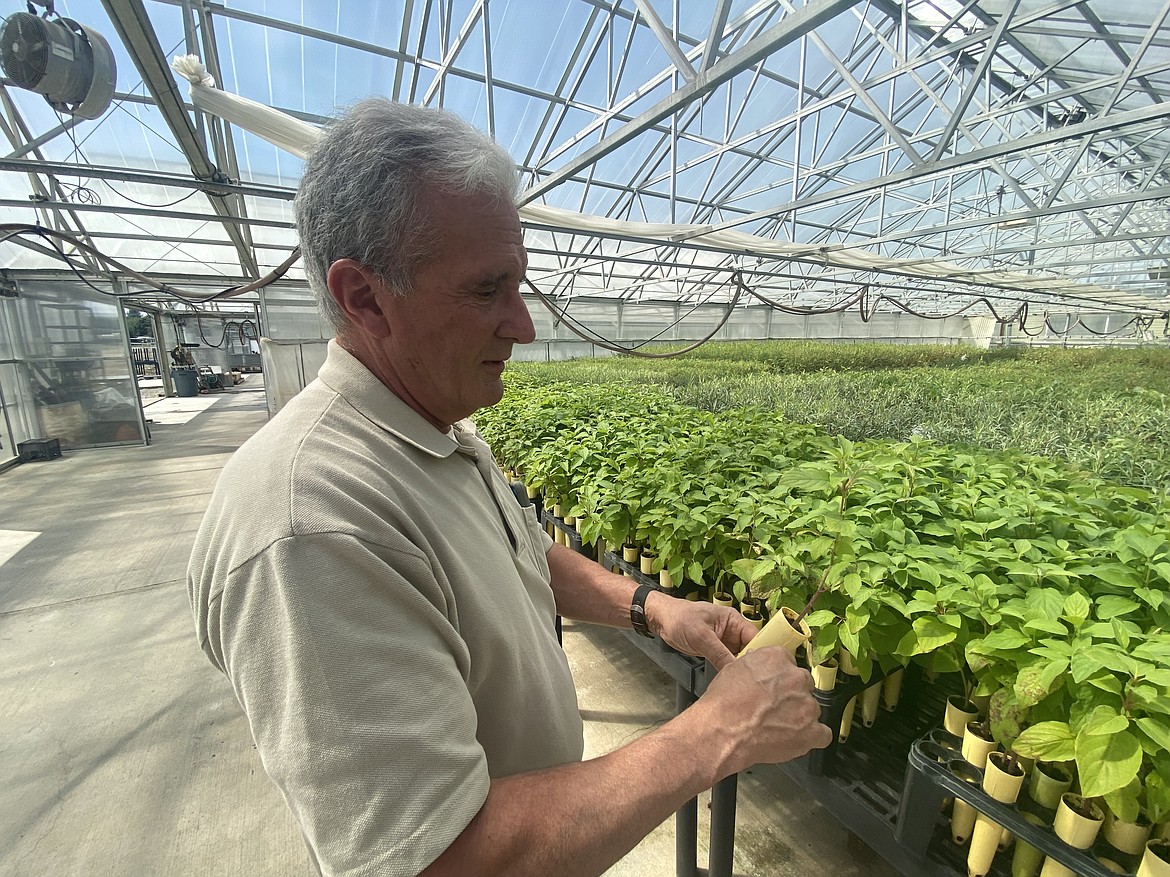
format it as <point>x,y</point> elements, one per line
<point>812,601</point>
<point>822,586</point>
<point>1011,762</point>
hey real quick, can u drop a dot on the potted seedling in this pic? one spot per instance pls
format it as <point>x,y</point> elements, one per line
<point>1155,859</point>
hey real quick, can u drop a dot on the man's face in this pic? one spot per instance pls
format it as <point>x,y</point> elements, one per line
<point>451,334</point>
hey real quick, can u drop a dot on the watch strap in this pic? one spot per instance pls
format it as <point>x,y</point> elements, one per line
<point>638,610</point>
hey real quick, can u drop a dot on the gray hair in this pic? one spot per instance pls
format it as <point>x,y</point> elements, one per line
<point>362,191</point>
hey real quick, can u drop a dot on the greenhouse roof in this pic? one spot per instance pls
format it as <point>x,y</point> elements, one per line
<point>824,154</point>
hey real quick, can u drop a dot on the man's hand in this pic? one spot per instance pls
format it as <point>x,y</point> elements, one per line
<point>716,633</point>
<point>763,707</point>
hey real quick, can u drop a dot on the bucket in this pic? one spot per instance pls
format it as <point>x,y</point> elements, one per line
<point>186,381</point>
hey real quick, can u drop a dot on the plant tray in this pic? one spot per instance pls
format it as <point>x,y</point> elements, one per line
<point>549,519</point>
<point>858,782</point>
<point>879,784</point>
<point>931,778</point>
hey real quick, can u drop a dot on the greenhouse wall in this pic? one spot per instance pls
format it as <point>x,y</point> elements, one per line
<point>65,369</point>
<point>296,334</point>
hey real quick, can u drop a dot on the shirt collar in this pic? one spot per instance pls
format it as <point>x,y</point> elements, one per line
<point>345,375</point>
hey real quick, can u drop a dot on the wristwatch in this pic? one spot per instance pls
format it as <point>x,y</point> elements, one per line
<point>638,610</point>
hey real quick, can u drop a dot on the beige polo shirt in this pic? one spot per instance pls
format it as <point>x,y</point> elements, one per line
<point>380,603</point>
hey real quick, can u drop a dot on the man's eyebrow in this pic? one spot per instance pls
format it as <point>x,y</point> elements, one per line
<point>492,280</point>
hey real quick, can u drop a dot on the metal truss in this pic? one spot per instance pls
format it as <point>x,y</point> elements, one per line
<point>941,150</point>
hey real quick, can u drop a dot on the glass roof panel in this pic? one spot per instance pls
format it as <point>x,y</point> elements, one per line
<point>887,129</point>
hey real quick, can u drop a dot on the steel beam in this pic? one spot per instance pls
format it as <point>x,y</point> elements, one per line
<point>403,34</point>
<point>222,144</point>
<point>714,35</point>
<point>17,134</point>
<point>42,139</point>
<point>974,82</point>
<point>228,221</point>
<point>132,22</point>
<point>791,28</point>
<point>974,158</point>
<point>666,39</point>
<point>149,178</point>
<point>1130,197</point>
<point>451,53</point>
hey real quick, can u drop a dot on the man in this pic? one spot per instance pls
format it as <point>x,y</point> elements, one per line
<point>383,607</point>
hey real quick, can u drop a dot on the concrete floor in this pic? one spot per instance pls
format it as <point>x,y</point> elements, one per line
<point>123,750</point>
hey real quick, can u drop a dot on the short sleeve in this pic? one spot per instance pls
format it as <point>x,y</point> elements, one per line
<point>355,685</point>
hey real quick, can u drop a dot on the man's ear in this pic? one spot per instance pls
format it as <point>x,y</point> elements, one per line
<point>354,287</point>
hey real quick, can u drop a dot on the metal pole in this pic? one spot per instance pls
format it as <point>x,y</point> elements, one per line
<point>686,821</point>
<point>722,827</point>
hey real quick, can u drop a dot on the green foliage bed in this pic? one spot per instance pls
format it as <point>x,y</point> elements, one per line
<point>1047,587</point>
<point>1105,410</point>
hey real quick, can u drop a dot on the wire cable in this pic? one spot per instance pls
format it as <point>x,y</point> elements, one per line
<point>861,299</point>
<point>10,229</point>
<point>587,334</point>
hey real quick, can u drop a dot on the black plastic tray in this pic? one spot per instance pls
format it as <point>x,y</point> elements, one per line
<point>934,760</point>
<point>547,518</point>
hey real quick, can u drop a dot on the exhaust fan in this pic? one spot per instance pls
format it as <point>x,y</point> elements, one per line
<point>71,65</point>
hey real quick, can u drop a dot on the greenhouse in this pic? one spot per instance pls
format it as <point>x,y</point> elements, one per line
<point>821,350</point>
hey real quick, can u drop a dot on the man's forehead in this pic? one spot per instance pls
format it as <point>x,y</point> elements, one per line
<point>460,203</point>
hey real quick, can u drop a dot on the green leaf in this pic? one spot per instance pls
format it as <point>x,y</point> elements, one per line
<point>1102,721</point>
<point>806,479</point>
<point>1046,625</point>
<point>825,642</point>
<point>1090,707</point>
<point>1044,603</point>
<point>1146,545</point>
<point>820,618</point>
<point>1120,632</point>
<point>849,639</point>
<point>1157,797</point>
<point>1149,699</point>
<point>739,590</point>
<point>929,634</point>
<point>695,572</point>
<point>1076,607</point>
<point>1047,741</point>
<point>1107,683</point>
<point>1116,574</point>
<point>1106,762</point>
<point>1102,656</point>
<point>1006,716</point>
<point>1152,597</point>
<point>1110,606</point>
<point>751,569</point>
<point>856,619</point>
<point>975,659</point>
<point>1030,687</point>
<point>1125,803</point>
<point>851,584</point>
<point>1001,640</point>
<point>1052,672</point>
<point>928,573</point>
<point>1157,730</point>
<point>1085,663</point>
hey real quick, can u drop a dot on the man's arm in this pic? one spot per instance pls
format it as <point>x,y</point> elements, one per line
<point>578,819</point>
<point>586,591</point>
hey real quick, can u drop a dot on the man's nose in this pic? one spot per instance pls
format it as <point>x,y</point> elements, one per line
<point>517,323</point>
